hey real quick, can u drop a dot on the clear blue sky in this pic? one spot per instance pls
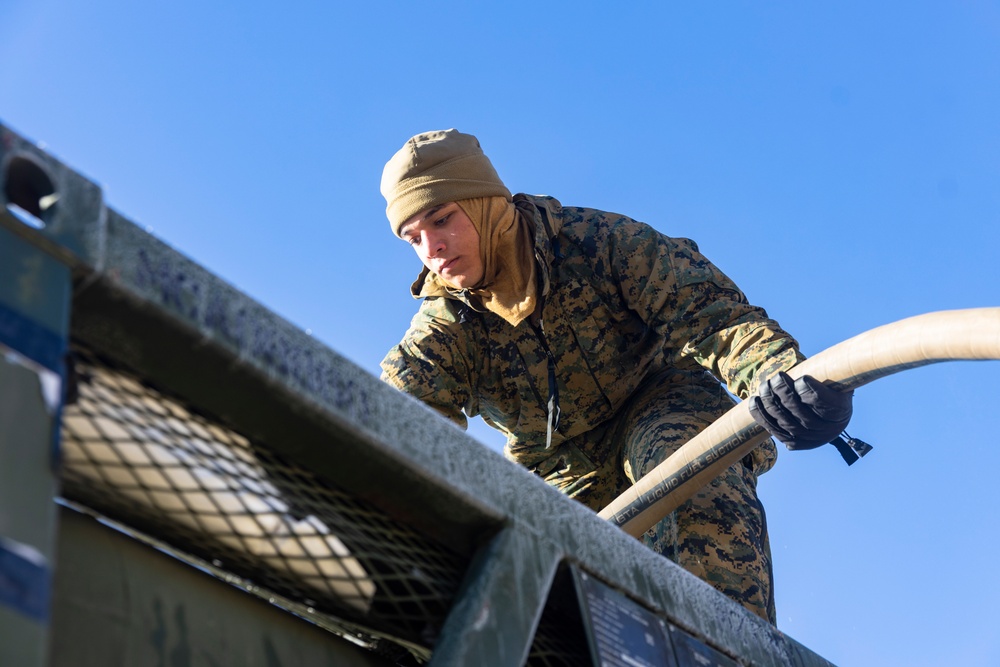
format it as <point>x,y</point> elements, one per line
<point>842,164</point>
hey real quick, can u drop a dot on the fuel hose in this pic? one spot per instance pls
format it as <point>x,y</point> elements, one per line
<point>951,335</point>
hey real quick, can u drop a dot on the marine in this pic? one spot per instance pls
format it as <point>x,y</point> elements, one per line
<point>597,346</point>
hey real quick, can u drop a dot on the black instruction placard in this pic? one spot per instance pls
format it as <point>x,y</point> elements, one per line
<point>621,632</point>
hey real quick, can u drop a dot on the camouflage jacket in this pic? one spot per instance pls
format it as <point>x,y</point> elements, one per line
<point>621,301</point>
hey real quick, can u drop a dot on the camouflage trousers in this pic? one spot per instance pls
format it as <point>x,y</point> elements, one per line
<point>720,535</point>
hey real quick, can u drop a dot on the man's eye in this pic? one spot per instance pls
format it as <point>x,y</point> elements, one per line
<point>442,220</point>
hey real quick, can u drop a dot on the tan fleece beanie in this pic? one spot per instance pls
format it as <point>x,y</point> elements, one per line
<point>435,168</point>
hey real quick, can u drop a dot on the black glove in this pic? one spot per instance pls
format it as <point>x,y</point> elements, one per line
<point>803,413</point>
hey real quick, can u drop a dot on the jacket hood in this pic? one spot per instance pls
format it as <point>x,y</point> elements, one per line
<point>545,214</point>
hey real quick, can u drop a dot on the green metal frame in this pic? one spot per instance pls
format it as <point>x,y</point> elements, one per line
<point>138,301</point>
<point>34,308</point>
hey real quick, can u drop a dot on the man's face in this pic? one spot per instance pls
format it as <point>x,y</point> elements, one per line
<point>447,243</point>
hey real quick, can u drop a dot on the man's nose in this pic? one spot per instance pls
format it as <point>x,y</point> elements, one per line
<point>435,243</point>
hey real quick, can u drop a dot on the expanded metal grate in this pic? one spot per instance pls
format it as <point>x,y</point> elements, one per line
<point>145,460</point>
<point>560,640</point>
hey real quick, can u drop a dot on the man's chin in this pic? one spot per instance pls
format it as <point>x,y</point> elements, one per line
<point>454,282</point>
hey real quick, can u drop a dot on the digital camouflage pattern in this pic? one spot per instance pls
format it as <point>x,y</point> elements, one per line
<point>721,533</point>
<point>634,319</point>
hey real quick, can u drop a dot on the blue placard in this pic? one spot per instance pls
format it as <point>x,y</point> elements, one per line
<point>31,340</point>
<point>25,582</point>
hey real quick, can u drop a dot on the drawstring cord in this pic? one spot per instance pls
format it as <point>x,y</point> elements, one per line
<point>554,412</point>
<point>552,424</point>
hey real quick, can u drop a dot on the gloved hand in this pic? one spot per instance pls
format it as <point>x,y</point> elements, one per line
<point>803,413</point>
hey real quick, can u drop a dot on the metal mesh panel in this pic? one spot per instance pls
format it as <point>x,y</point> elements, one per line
<point>560,640</point>
<point>147,461</point>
